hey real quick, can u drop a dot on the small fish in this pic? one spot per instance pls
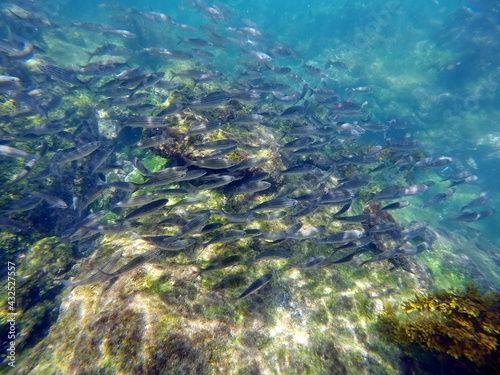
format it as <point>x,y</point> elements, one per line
<point>7,222</point>
<point>89,198</point>
<point>315,71</point>
<point>227,236</point>
<point>223,263</point>
<point>172,192</point>
<point>362,242</point>
<point>251,187</point>
<point>213,99</point>
<point>349,257</point>
<point>24,204</point>
<point>438,198</point>
<point>374,126</point>
<point>92,218</point>
<point>388,254</point>
<point>193,174</point>
<point>308,233</point>
<point>147,209</point>
<point>275,204</point>
<point>216,182</point>
<point>172,109</point>
<point>382,227</point>
<point>28,167</point>
<point>164,179</point>
<point>60,74</point>
<point>193,225</point>
<point>465,216</point>
<point>298,170</point>
<point>215,163</point>
<point>459,176</point>
<point>346,236</point>
<point>170,243</point>
<point>99,276</point>
<point>190,201</point>
<point>268,216</point>
<point>479,201</point>
<point>137,201</point>
<point>132,264</point>
<point>414,229</point>
<point>413,250</point>
<point>402,143</point>
<point>344,209</point>
<point>152,141</point>
<point>255,286</point>
<point>248,119</point>
<point>259,56</point>
<point>353,219</point>
<point>75,153</point>
<point>237,218</point>
<point>217,145</point>
<point>354,181</point>
<point>16,153</point>
<point>9,83</point>
<point>336,195</point>
<point>146,122</point>
<point>298,143</point>
<point>271,254</point>
<point>54,202</point>
<point>396,205</point>
<point>294,112</point>
<point>114,228</point>
<point>439,162</point>
<point>311,263</point>
<point>413,190</point>
<point>122,33</point>
<point>204,127</point>
<point>220,152</point>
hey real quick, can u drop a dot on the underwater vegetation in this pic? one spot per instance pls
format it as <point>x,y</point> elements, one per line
<point>463,324</point>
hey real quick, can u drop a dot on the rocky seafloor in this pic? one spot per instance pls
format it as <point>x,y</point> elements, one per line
<point>166,318</point>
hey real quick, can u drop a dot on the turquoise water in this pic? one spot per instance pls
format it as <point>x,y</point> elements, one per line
<point>426,71</point>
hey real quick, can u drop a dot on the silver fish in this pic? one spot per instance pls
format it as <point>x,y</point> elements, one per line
<point>275,204</point>
<point>251,187</point>
<point>217,145</point>
<point>75,153</point>
<point>396,205</point>
<point>55,202</point>
<point>227,236</point>
<point>272,254</point>
<point>100,276</point>
<point>223,263</point>
<point>147,122</point>
<point>147,209</point>
<point>204,127</point>
<point>337,195</point>
<point>311,263</point>
<point>255,286</point>
<point>382,227</point>
<point>137,201</point>
<point>308,233</point>
<point>388,254</point>
<point>216,163</point>
<point>16,153</point>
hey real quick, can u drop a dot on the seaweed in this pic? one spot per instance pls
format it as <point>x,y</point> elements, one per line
<point>462,324</point>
